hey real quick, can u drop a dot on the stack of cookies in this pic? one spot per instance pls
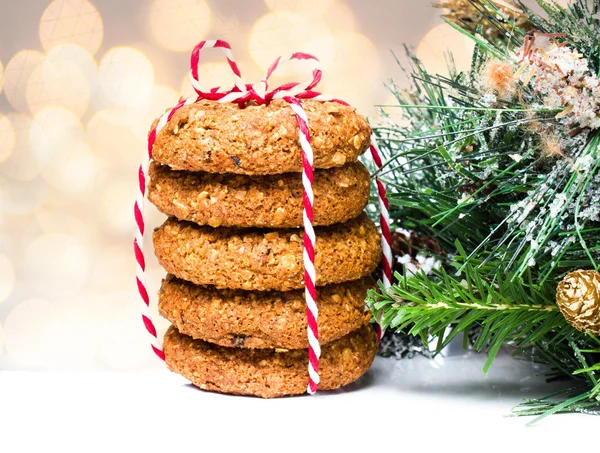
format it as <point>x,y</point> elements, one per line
<point>230,180</point>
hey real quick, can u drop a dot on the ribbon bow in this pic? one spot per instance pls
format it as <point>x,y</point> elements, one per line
<point>241,93</point>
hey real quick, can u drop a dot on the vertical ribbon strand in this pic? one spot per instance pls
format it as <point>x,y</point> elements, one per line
<point>310,273</point>
<point>384,221</point>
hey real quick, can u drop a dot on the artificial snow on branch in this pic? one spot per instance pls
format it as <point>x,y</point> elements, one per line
<point>500,166</point>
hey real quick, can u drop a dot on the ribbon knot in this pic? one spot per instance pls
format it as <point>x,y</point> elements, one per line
<point>242,92</point>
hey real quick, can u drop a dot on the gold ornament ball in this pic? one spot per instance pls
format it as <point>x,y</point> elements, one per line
<point>578,298</point>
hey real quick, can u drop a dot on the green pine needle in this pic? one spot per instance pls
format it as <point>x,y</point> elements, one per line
<point>443,307</point>
<point>472,171</point>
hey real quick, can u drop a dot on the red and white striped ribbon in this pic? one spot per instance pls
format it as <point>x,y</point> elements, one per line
<point>138,241</point>
<point>241,93</point>
<point>384,221</point>
<point>310,273</point>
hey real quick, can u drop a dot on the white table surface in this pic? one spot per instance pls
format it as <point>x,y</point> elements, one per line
<point>408,405</point>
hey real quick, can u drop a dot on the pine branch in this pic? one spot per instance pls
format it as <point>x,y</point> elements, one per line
<point>516,182</point>
<point>568,401</point>
<point>514,206</point>
<point>443,306</point>
<point>584,398</point>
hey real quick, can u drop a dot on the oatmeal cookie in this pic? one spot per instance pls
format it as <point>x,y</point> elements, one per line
<point>273,201</point>
<point>259,139</point>
<point>268,373</point>
<point>262,260</point>
<point>255,319</point>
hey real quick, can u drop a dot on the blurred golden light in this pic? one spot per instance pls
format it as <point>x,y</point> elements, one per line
<point>112,139</point>
<point>353,72</point>
<point>273,35</point>
<point>153,216</point>
<point>62,215</point>
<point>281,33</point>
<point>125,344</point>
<point>56,265</point>
<point>71,169</point>
<point>179,24</point>
<point>441,39</point>
<point>7,277</point>
<point>60,83</point>
<point>111,268</point>
<point>1,339</point>
<point>19,199</point>
<point>141,117</point>
<point>71,21</point>
<point>16,77</point>
<point>21,165</point>
<point>210,75</point>
<point>229,28</point>
<point>27,332</point>
<point>8,139</point>
<point>392,112</point>
<point>1,76</point>
<point>126,76</point>
<point>186,89</point>
<point>219,75</point>
<point>77,55</point>
<point>322,44</point>
<point>340,17</point>
<point>115,203</point>
<point>52,129</point>
<point>74,319</point>
<point>313,7</point>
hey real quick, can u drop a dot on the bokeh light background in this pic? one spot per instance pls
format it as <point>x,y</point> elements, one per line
<point>80,83</point>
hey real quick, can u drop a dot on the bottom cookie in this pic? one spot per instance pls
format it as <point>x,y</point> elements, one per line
<point>268,373</point>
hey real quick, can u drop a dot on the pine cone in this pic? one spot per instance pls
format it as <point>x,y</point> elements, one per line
<point>578,297</point>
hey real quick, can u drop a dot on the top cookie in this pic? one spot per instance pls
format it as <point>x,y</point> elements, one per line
<point>259,139</point>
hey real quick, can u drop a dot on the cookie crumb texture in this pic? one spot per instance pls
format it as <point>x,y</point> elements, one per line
<point>259,139</point>
<point>268,373</point>
<point>252,319</point>
<point>273,201</point>
<point>262,260</point>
